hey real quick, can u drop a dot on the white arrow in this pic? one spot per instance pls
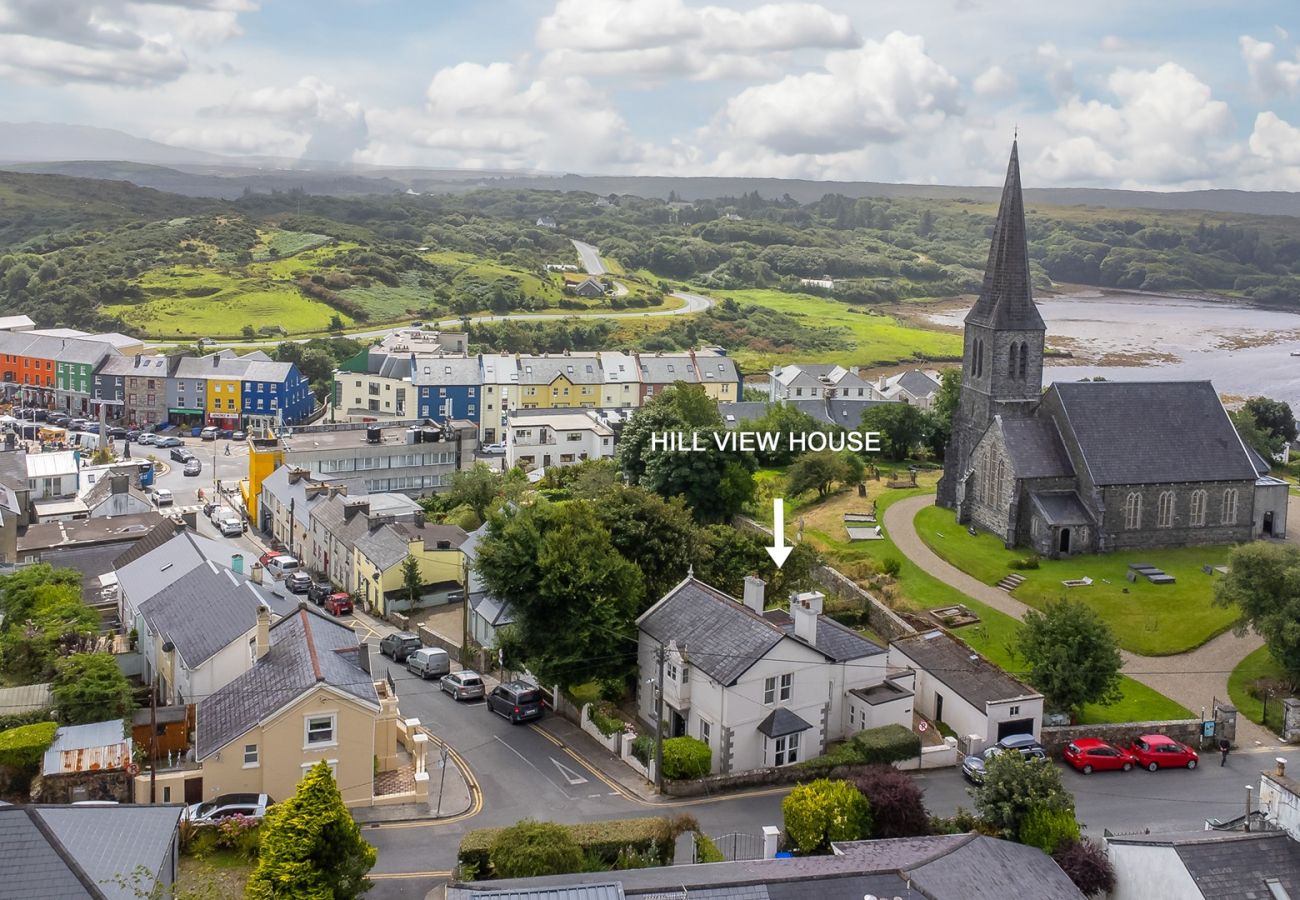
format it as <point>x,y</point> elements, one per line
<point>568,774</point>
<point>778,551</point>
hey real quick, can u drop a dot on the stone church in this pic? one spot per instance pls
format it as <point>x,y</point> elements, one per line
<point>1088,467</point>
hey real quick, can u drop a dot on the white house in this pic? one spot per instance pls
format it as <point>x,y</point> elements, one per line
<point>546,438</point>
<point>761,688</point>
<point>913,386</point>
<point>813,381</point>
<point>114,495</point>
<point>957,686</point>
<point>52,475</point>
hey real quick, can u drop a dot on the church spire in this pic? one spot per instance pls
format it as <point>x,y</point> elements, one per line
<point>1006,300</point>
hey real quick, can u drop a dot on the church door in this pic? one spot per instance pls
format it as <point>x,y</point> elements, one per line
<point>1065,540</point>
<point>1268,523</point>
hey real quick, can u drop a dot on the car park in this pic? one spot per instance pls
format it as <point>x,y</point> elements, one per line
<point>517,701</point>
<point>169,441</point>
<point>399,645</point>
<point>181,454</point>
<point>1025,744</point>
<point>282,565</point>
<point>466,685</point>
<point>1090,755</point>
<point>319,591</point>
<point>428,662</point>
<point>297,582</point>
<point>193,466</point>
<point>339,604</point>
<point>250,806</point>
<point>163,497</point>
<point>1159,751</point>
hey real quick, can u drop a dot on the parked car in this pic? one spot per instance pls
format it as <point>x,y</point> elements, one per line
<point>193,466</point>
<point>399,645</point>
<point>265,557</point>
<point>1090,755</point>
<point>92,428</point>
<point>226,433</point>
<point>169,441</point>
<point>208,434</point>
<point>298,582</point>
<point>1159,751</point>
<point>282,565</point>
<point>117,432</point>
<point>133,434</point>
<point>339,604</point>
<point>252,806</point>
<point>229,524</point>
<point>163,497</point>
<point>518,701</point>
<point>76,424</point>
<point>428,662</point>
<point>148,439</point>
<point>466,685</point>
<point>239,436</point>
<point>319,591</point>
<point>181,454</point>
<point>1026,744</point>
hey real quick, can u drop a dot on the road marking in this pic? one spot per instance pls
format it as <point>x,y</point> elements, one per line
<point>572,777</point>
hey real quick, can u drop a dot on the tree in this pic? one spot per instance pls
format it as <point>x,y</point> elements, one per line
<point>90,687</point>
<point>1261,441</point>
<point>1072,655</point>
<point>1047,829</point>
<point>823,811</point>
<point>654,534</point>
<point>1273,417</point>
<point>530,849</point>
<point>476,488</point>
<point>715,483</point>
<point>1087,865</point>
<point>820,471</point>
<point>939,420</point>
<point>336,322</point>
<point>1263,582</point>
<point>783,420</point>
<point>412,580</point>
<point>1013,787</point>
<point>725,555</point>
<point>311,847</point>
<point>901,427</point>
<point>679,407</point>
<point>248,332</point>
<point>897,802</point>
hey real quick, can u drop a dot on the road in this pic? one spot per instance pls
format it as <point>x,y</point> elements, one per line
<point>590,257</point>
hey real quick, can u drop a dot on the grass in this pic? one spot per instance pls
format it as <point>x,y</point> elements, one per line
<point>995,635</point>
<point>1258,666</point>
<point>1150,619</point>
<point>877,339</point>
<point>587,692</point>
<point>221,873</point>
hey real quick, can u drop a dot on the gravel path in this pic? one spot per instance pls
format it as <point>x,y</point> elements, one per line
<point>1193,679</point>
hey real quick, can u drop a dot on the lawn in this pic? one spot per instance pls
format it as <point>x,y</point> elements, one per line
<point>1150,619</point>
<point>877,339</point>
<point>1242,689</point>
<point>994,636</point>
<point>221,873</point>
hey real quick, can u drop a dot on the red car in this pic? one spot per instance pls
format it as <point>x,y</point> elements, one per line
<point>268,556</point>
<point>338,604</point>
<point>1090,755</point>
<point>1159,751</point>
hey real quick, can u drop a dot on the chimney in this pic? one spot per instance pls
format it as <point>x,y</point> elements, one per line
<point>237,563</point>
<point>753,597</point>
<point>350,509</point>
<point>216,360</point>
<point>1281,766</point>
<point>806,609</point>
<point>256,573</point>
<point>263,630</point>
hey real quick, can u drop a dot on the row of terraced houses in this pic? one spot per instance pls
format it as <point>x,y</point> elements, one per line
<point>79,374</point>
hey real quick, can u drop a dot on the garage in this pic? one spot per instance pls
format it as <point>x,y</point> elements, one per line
<point>1015,726</point>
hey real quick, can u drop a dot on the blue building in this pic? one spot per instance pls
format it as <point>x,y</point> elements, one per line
<point>273,393</point>
<point>447,387</point>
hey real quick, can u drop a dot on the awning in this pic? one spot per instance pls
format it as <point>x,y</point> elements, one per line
<point>782,722</point>
<point>185,412</point>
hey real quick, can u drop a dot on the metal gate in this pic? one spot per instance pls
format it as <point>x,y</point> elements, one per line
<point>736,845</point>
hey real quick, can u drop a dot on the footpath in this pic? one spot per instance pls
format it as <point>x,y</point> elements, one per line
<point>1193,679</point>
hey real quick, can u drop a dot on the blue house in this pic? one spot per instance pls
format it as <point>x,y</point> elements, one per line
<point>274,392</point>
<point>447,387</point>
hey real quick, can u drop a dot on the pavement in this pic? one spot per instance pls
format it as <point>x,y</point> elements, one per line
<point>1194,679</point>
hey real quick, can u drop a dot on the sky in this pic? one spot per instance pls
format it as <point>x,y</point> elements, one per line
<point>1150,94</point>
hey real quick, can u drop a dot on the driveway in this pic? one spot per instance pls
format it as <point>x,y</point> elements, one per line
<point>590,257</point>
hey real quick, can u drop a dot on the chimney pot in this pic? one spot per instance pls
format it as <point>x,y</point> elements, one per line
<point>256,573</point>
<point>237,563</point>
<point>806,609</point>
<point>753,596</point>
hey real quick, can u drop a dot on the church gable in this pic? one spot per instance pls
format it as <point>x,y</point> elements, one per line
<point>1034,448</point>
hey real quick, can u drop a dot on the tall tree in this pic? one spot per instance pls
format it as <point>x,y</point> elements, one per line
<point>939,420</point>
<point>725,555</point>
<point>1263,582</point>
<point>1273,417</point>
<point>901,427</point>
<point>90,687</point>
<point>679,407</point>
<point>476,487</point>
<point>311,848</point>
<point>1072,655</point>
<point>820,471</point>
<point>1014,787</point>
<point>715,483</point>
<point>412,581</point>
<point>658,536</point>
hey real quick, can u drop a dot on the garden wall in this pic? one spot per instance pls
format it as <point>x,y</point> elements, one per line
<point>739,781</point>
<point>1054,738</point>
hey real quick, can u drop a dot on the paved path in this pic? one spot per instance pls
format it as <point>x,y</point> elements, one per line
<point>590,257</point>
<point>1193,679</point>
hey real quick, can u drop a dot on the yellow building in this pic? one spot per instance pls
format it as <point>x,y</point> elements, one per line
<point>378,557</point>
<point>559,382</point>
<point>225,401</point>
<point>265,455</point>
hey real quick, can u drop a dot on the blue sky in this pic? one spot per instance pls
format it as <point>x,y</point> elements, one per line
<point>1116,93</point>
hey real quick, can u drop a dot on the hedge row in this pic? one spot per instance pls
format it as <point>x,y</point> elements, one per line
<point>23,747</point>
<point>599,840</point>
<point>886,744</point>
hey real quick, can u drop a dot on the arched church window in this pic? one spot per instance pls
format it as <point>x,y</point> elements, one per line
<point>1133,511</point>
<point>1196,515</point>
<point>1011,361</point>
<point>1165,510</point>
<point>1024,360</point>
<point>1229,507</point>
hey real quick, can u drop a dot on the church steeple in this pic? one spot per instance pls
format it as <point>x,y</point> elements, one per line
<point>1006,300</point>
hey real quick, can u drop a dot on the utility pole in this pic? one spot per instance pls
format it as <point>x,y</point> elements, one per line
<point>659,722</point>
<point>153,739</point>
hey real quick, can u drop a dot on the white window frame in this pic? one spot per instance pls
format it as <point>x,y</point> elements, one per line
<point>1200,500</point>
<point>706,733</point>
<point>1165,510</point>
<point>769,690</point>
<point>251,750</point>
<point>1133,511</point>
<point>1229,516</point>
<point>784,751</point>
<point>787,687</point>
<point>307,742</point>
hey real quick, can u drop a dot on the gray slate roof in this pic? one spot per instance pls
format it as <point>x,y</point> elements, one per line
<point>1035,448</point>
<point>838,642</point>
<point>453,370</point>
<point>494,611</point>
<point>782,721</point>
<point>1153,432</point>
<point>667,369</point>
<point>108,841</point>
<point>545,369</point>
<point>13,469</point>
<point>917,383</point>
<point>847,411</point>
<point>1005,299</point>
<point>158,535</point>
<point>1061,508</point>
<point>969,675</point>
<point>209,606</point>
<point>308,648</point>
<point>33,864</point>
<point>148,573</point>
<point>1236,864</point>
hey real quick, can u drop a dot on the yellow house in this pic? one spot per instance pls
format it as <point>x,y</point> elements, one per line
<point>559,382</point>
<point>225,401</point>
<point>309,697</point>
<point>265,455</point>
<point>378,557</point>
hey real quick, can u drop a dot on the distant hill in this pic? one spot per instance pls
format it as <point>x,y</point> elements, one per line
<point>49,142</point>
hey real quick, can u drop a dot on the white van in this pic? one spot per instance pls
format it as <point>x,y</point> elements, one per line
<point>429,662</point>
<point>281,566</point>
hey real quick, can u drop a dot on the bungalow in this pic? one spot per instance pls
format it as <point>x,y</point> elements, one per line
<point>588,287</point>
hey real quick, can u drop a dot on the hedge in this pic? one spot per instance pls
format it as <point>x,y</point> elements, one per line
<point>606,719</point>
<point>31,717</point>
<point>23,747</point>
<point>886,744</point>
<point>603,841</point>
<point>686,757</point>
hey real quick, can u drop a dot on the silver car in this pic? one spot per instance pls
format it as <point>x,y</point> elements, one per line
<point>465,685</point>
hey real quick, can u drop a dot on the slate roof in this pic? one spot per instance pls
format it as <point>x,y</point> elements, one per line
<point>307,648</point>
<point>782,721</point>
<point>499,369</point>
<point>158,535</point>
<point>382,545</point>
<point>103,489</point>
<point>1153,432</point>
<point>915,382</point>
<point>147,574</point>
<point>721,636</point>
<point>108,841</point>
<point>969,675</point>
<point>667,369</point>
<point>77,350</point>
<point>749,410</point>
<point>494,611</point>
<point>618,367</point>
<point>611,891</point>
<point>446,370</point>
<point>1005,300</point>
<point>120,366</point>
<point>847,411</point>
<point>206,608</point>
<point>1233,864</point>
<point>13,469</point>
<point>1061,507</point>
<point>1034,447</point>
<point>714,368</point>
<point>545,369</point>
<point>837,642</point>
<point>33,863</point>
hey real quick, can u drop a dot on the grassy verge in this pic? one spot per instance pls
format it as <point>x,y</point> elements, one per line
<point>1259,669</point>
<point>1150,619</point>
<point>222,873</point>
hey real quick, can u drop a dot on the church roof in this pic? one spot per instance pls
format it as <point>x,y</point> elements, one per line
<point>1061,508</point>
<point>1035,448</point>
<point>1005,299</point>
<point>1153,432</point>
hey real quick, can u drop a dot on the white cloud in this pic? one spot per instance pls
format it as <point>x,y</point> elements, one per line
<point>118,42</point>
<point>1275,140</point>
<point>332,124</point>
<point>233,140</point>
<point>670,38</point>
<point>1113,43</point>
<point>878,93</point>
<point>1268,74</point>
<point>994,81</point>
<point>1059,70</point>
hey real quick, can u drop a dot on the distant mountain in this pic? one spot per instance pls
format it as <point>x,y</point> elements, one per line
<point>47,142</point>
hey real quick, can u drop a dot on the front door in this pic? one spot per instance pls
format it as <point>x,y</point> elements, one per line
<point>938,707</point>
<point>193,790</point>
<point>1065,540</point>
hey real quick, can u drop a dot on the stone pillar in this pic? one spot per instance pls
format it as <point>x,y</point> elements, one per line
<point>770,835</point>
<point>1291,720</point>
<point>386,729</point>
<point>1225,722</point>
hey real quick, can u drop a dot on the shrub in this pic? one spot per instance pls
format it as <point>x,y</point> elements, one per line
<point>897,802</point>
<point>1014,787</point>
<point>606,719</point>
<point>1026,562</point>
<point>602,841</point>
<point>23,747</point>
<point>891,566</point>
<point>1048,829</point>
<point>1087,865</point>
<point>706,851</point>
<point>824,811</point>
<point>643,749</point>
<point>886,744</point>
<point>31,717</point>
<point>686,757</point>
<point>241,834</point>
<point>529,849</point>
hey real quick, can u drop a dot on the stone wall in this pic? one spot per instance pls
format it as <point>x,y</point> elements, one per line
<point>115,785</point>
<point>1181,533</point>
<point>1054,738</point>
<point>739,781</point>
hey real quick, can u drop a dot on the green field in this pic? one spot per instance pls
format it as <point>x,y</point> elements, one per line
<point>994,636</point>
<point>1259,666</point>
<point>1150,619</point>
<point>877,339</point>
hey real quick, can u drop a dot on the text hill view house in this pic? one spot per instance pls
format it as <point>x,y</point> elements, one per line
<point>1089,466</point>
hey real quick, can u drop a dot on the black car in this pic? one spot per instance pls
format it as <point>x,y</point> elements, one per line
<point>318,591</point>
<point>399,645</point>
<point>181,454</point>
<point>517,701</point>
<point>134,434</point>
<point>117,431</point>
<point>59,420</point>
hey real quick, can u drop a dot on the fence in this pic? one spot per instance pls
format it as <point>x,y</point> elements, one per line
<point>736,846</point>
